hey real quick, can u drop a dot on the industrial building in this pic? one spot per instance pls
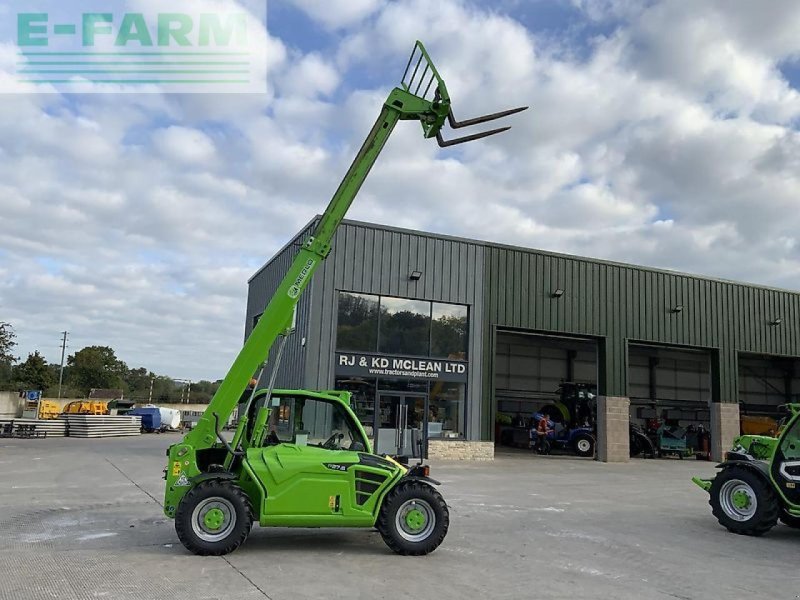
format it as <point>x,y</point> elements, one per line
<point>436,336</point>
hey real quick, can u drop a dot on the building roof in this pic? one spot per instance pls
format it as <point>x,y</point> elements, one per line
<point>490,244</point>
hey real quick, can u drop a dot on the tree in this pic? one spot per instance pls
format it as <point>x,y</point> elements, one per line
<point>7,343</point>
<point>166,390</point>
<point>7,359</point>
<point>203,391</point>
<point>137,382</point>
<point>96,367</point>
<point>34,373</point>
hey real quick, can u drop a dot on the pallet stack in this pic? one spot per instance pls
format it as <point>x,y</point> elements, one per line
<point>99,426</point>
<point>53,427</point>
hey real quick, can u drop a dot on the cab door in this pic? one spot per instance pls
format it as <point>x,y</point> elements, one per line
<point>313,442</point>
<point>786,462</point>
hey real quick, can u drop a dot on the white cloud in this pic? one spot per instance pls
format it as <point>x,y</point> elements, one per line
<point>339,13</point>
<point>184,145</point>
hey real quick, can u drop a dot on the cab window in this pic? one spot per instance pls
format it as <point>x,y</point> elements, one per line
<point>314,422</point>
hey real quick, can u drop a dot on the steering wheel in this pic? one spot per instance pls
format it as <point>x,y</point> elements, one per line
<point>332,443</point>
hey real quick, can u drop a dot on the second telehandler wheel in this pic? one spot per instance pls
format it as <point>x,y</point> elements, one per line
<point>414,519</point>
<point>214,518</point>
<point>789,520</point>
<point>743,502</point>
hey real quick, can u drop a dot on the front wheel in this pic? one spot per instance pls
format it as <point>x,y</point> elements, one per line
<point>789,520</point>
<point>583,445</point>
<point>743,502</point>
<point>414,519</point>
<point>214,518</point>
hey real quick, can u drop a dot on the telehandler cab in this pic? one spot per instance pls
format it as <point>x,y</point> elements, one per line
<point>300,458</point>
<point>759,482</point>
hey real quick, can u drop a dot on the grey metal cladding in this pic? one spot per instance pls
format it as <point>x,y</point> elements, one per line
<point>262,286</point>
<point>620,303</point>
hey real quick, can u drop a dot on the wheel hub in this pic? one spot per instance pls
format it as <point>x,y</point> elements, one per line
<point>740,499</point>
<point>214,519</point>
<point>415,519</point>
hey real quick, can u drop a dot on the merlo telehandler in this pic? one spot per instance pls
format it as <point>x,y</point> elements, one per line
<point>301,458</point>
<point>759,482</point>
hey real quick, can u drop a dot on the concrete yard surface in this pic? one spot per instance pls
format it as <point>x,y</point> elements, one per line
<point>81,519</point>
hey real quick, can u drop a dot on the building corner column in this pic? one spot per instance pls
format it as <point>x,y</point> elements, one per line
<point>613,435</point>
<point>725,427</point>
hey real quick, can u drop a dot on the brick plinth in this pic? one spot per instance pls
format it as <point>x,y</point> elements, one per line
<point>613,436</point>
<point>724,428</point>
<point>460,450</point>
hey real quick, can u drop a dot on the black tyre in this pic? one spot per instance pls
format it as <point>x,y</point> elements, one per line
<point>743,502</point>
<point>789,520</point>
<point>414,519</point>
<point>583,445</point>
<point>640,444</point>
<point>214,518</point>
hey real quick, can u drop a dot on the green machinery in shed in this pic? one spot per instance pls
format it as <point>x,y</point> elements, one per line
<point>300,458</point>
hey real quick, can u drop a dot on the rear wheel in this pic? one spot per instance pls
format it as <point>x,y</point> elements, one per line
<point>214,518</point>
<point>789,520</point>
<point>743,502</point>
<point>583,445</point>
<point>414,519</point>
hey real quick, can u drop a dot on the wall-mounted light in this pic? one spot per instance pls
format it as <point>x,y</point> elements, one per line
<point>677,309</point>
<point>776,321</point>
<point>415,275</point>
<point>557,293</point>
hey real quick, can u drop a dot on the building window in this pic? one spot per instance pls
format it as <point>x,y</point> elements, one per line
<point>357,325</point>
<point>405,326</point>
<point>362,400</point>
<point>449,331</point>
<point>446,410</point>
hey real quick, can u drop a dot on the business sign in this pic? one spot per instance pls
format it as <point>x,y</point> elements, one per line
<point>136,46</point>
<point>356,364</point>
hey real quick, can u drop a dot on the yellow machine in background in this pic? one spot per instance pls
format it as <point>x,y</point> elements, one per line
<point>753,425</point>
<point>86,407</point>
<point>49,409</point>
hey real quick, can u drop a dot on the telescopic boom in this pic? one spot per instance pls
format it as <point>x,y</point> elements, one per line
<point>422,96</point>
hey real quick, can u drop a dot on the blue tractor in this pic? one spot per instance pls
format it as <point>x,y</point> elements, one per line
<point>549,435</point>
<point>569,423</point>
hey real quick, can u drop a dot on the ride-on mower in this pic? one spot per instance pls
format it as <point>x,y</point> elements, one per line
<point>300,458</point>
<point>759,482</point>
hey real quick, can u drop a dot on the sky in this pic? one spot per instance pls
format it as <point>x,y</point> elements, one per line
<point>661,133</point>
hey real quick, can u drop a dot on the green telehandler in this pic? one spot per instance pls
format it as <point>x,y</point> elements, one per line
<point>301,458</point>
<point>759,482</point>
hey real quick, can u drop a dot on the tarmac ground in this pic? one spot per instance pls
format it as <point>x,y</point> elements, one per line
<point>81,519</point>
